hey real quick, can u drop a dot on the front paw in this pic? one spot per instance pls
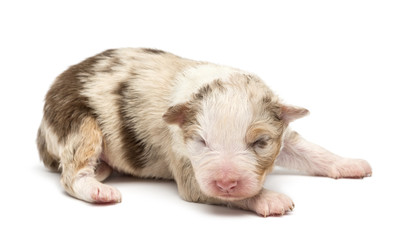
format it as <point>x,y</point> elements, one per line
<point>350,168</point>
<point>268,203</point>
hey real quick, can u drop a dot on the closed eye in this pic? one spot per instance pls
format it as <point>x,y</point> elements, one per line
<point>198,145</point>
<point>201,141</point>
<point>262,142</point>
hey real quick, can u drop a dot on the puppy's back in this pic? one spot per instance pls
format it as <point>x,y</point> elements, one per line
<point>126,91</point>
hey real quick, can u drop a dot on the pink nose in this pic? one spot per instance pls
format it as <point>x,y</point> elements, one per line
<point>226,186</point>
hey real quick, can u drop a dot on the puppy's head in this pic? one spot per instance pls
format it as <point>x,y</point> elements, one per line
<point>233,131</point>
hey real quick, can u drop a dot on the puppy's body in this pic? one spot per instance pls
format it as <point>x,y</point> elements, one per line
<point>215,130</point>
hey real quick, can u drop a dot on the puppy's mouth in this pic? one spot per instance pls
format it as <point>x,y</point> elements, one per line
<point>230,197</point>
<point>239,192</point>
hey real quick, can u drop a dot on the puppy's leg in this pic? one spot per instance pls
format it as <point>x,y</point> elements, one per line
<point>266,203</point>
<point>297,153</point>
<point>102,171</point>
<point>79,159</point>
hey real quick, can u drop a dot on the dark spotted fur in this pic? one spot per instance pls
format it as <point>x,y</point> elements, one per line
<point>65,107</point>
<point>137,152</point>
<point>153,51</point>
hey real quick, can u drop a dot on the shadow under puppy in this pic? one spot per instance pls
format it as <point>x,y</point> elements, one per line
<point>217,131</point>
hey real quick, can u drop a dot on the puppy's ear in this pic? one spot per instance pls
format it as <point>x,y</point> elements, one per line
<point>176,114</point>
<point>289,113</point>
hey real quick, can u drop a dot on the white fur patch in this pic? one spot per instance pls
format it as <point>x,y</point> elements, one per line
<point>53,146</point>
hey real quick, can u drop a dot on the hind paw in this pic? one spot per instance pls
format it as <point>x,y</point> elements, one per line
<point>105,194</point>
<point>90,190</point>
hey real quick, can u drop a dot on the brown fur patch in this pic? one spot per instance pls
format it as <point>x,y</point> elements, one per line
<point>267,99</point>
<point>203,92</point>
<point>219,85</point>
<point>138,152</point>
<point>65,107</point>
<point>273,108</point>
<point>176,114</point>
<point>266,137</point>
<point>153,51</point>
<point>187,114</point>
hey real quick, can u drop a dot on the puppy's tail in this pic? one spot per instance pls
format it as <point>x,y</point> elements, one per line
<point>48,159</point>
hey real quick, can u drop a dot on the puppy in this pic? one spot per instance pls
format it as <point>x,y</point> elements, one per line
<point>217,131</point>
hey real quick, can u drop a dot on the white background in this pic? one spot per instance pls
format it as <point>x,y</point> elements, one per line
<point>351,63</point>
